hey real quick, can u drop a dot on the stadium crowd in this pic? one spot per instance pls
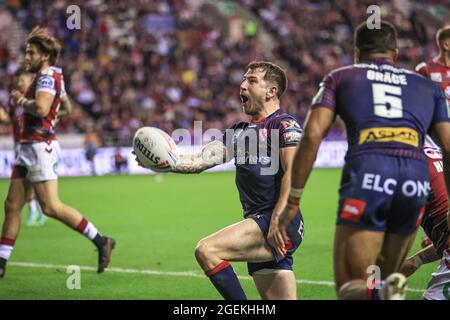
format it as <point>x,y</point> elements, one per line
<point>162,63</point>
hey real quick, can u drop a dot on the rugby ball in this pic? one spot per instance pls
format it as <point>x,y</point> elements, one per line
<point>155,149</point>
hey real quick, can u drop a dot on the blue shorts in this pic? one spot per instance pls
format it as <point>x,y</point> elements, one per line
<point>383,193</point>
<point>295,233</point>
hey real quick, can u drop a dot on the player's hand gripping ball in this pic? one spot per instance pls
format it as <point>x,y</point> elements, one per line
<point>155,149</point>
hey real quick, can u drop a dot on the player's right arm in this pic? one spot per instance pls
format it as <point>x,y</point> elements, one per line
<point>424,256</point>
<point>44,96</point>
<point>213,154</point>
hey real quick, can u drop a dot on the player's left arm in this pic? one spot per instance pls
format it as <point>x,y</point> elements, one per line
<point>286,157</point>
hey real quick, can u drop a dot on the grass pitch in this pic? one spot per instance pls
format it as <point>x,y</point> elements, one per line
<point>157,226</point>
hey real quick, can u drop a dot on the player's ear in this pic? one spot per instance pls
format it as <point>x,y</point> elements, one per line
<point>272,92</point>
<point>46,57</point>
<point>446,44</point>
<point>395,55</point>
<point>357,55</point>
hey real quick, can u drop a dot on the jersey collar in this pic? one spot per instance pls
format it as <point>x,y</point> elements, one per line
<point>275,113</point>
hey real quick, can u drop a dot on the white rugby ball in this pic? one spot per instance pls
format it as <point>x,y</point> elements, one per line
<point>155,149</point>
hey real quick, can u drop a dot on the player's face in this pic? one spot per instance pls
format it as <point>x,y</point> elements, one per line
<point>23,82</point>
<point>253,91</point>
<point>34,59</point>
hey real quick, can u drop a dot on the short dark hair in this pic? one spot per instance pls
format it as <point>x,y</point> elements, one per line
<point>376,40</point>
<point>442,34</point>
<point>274,73</point>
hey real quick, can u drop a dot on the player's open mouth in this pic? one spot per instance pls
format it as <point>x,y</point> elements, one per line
<point>244,99</point>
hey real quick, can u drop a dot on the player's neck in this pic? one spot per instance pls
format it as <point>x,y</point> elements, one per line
<point>44,66</point>
<point>376,56</point>
<point>443,59</point>
<point>267,110</point>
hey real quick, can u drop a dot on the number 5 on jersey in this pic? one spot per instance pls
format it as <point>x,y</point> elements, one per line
<point>384,94</point>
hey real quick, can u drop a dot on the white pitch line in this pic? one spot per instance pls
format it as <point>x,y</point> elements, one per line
<point>165,273</point>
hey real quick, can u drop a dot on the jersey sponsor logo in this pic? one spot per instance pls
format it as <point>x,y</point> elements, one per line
<point>292,137</point>
<point>290,125</point>
<point>386,134</point>
<point>436,76</point>
<point>409,188</point>
<point>352,209</point>
<point>433,153</point>
<point>45,82</point>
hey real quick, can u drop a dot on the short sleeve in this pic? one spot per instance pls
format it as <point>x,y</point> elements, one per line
<point>326,95</point>
<point>290,132</point>
<point>422,69</point>
<point>46,83</point>
<point>442,107</point>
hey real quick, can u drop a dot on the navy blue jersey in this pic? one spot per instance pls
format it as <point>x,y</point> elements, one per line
<point>258,167</point>
<point>386,109</point>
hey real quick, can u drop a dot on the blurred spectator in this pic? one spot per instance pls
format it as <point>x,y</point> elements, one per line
<point>120,162</point>
<point>165,64</point>
<point>92,142</point>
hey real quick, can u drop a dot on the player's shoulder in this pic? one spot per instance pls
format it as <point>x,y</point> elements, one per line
<point>48,78</point>
<point>51,71</point>
<point>421,66</point>
<point>341,71</point>
<point>287,121</point>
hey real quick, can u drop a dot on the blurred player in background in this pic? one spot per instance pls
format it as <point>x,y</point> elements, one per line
<point>438,70</point>
<point>260,91</point>
<point>38,152</point>
<point>21,81</point>
<point>385,182</point>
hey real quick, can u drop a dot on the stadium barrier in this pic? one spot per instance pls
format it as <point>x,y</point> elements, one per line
<point>73,161</point>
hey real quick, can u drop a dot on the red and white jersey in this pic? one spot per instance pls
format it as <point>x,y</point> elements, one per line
<point>43,128</point>
<point>438,73</point>
<point>15,113</point>
<point>434,221</point>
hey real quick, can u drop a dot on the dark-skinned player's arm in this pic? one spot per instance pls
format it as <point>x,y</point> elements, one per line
<point>286,159</point>
<point>317,124</point>
<point>424,256</point>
